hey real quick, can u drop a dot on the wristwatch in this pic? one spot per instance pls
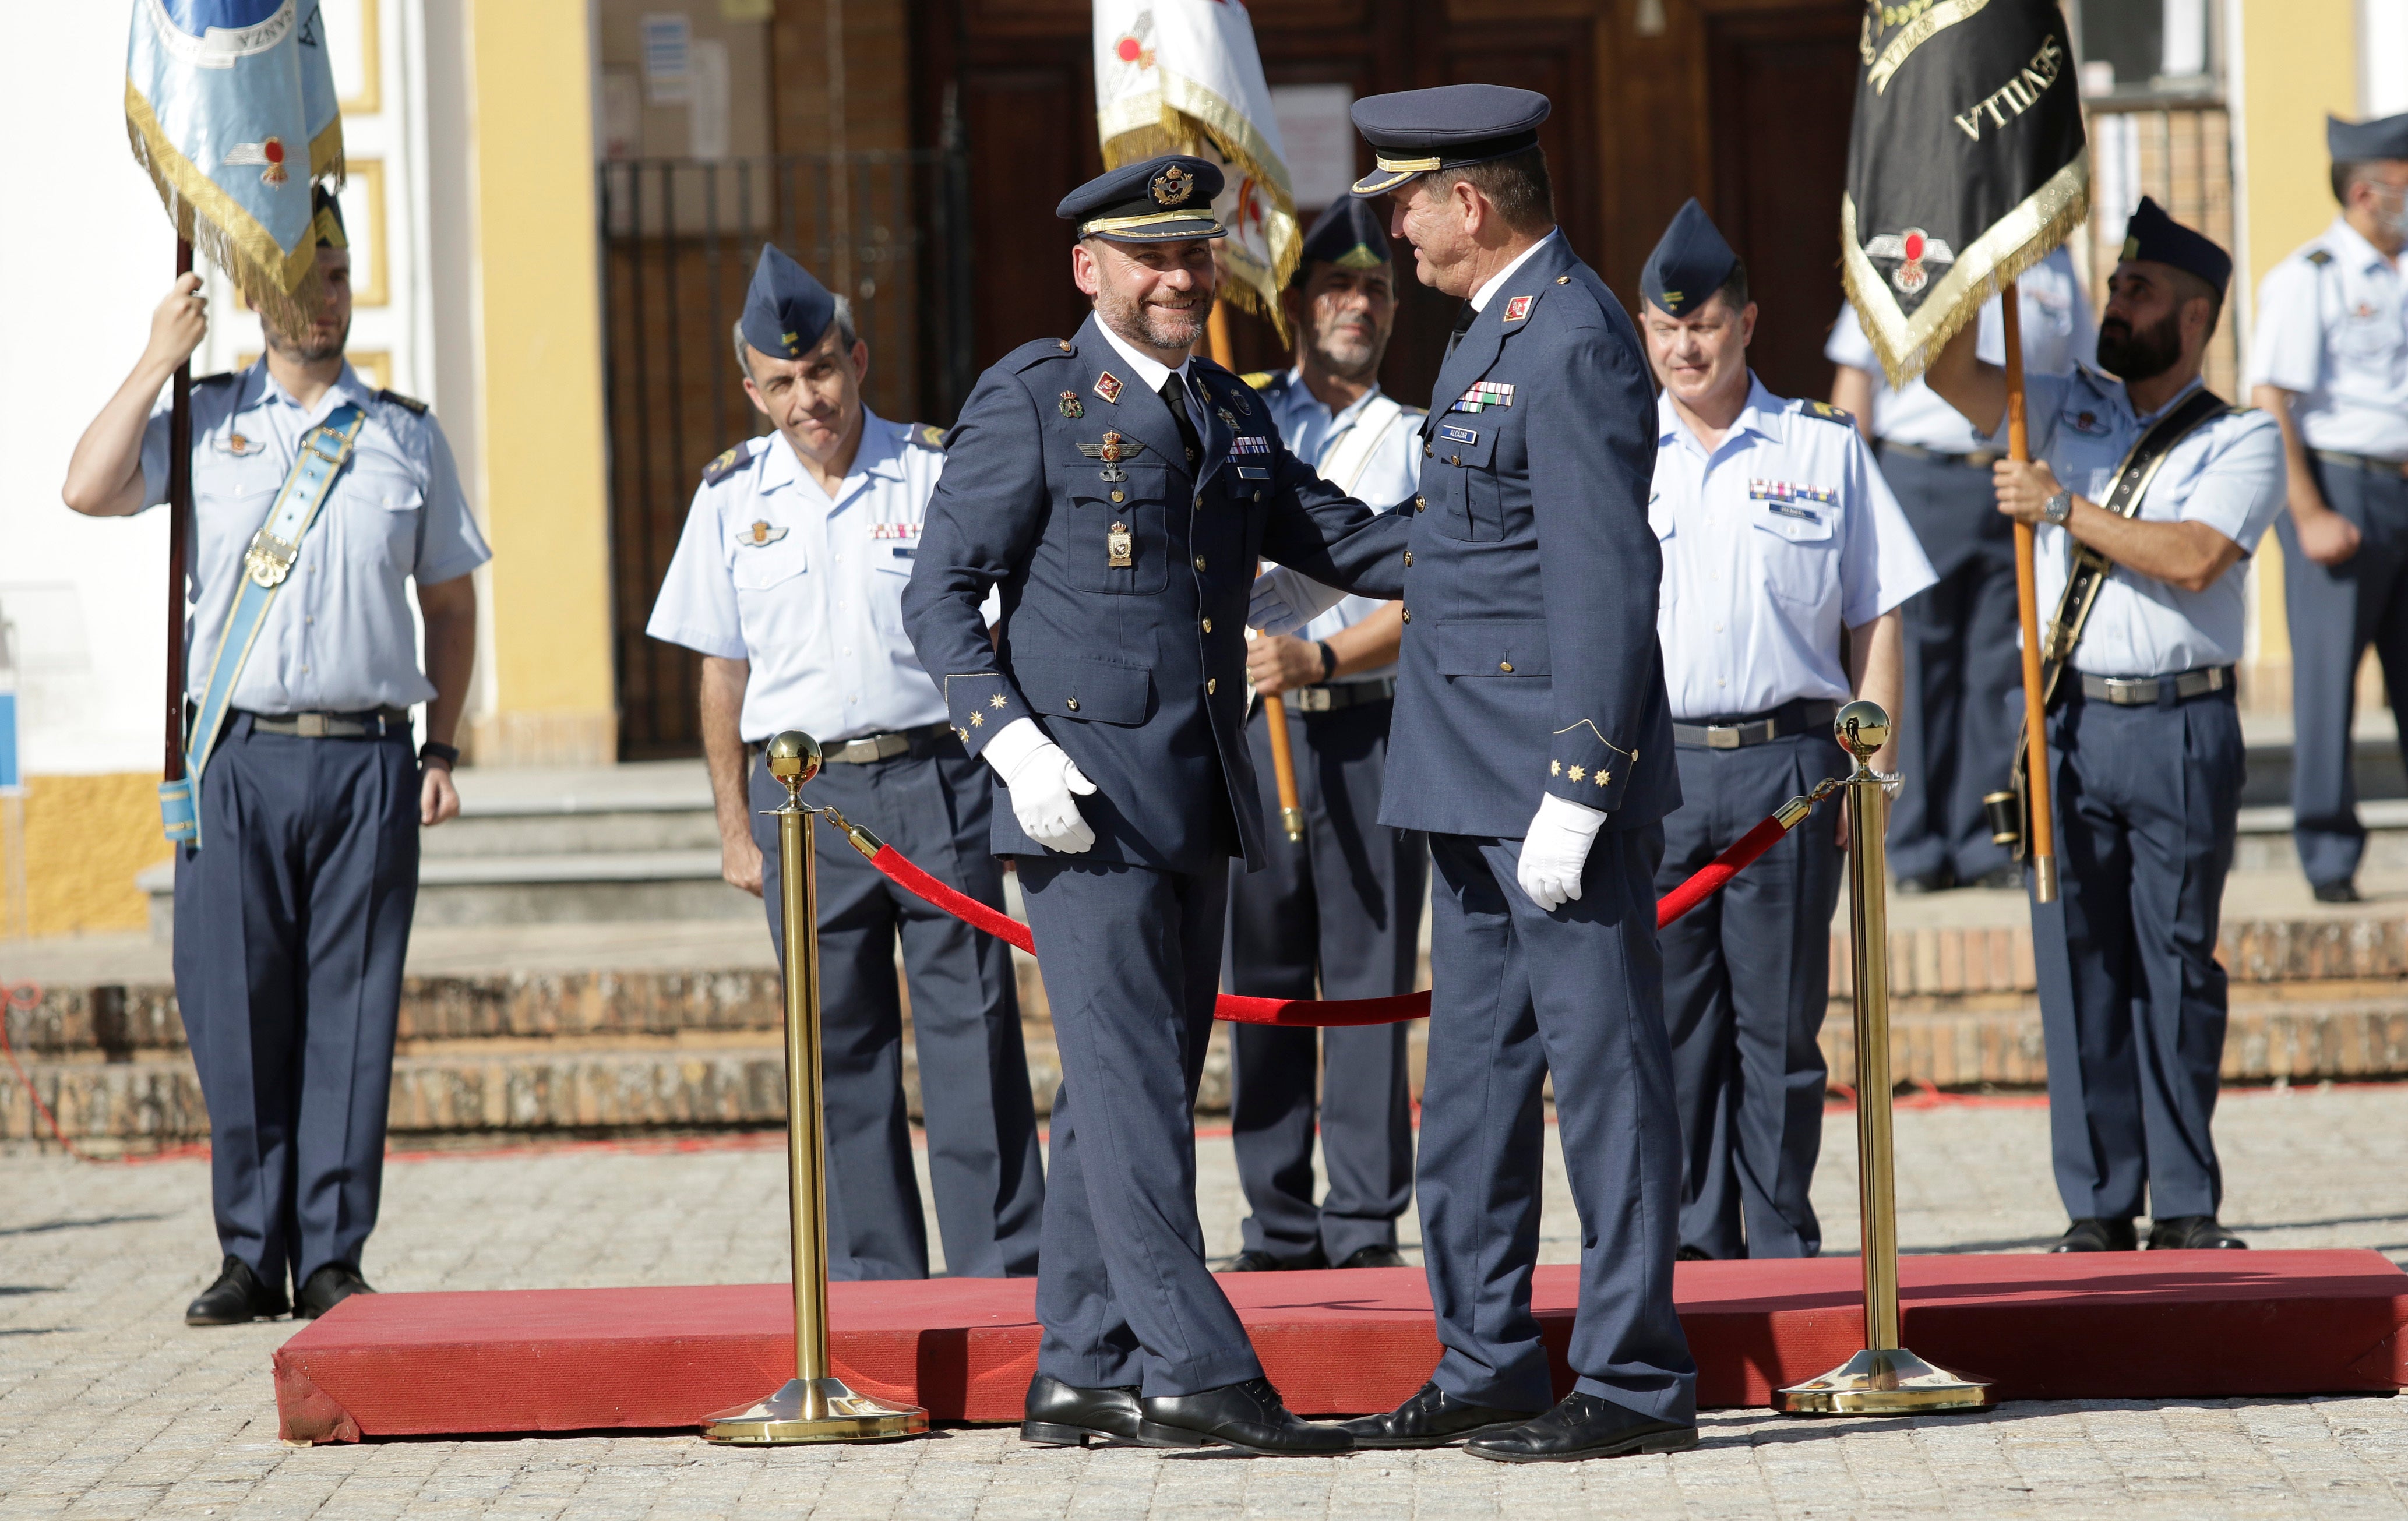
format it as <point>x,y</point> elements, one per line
<point>1329,659</point>
<point>2058,508</point>
<point>435,750</point>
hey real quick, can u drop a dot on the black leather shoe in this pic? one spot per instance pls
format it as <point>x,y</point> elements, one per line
<point>2336,892</point>
<point>1374,1257</point>
<point>1693,1253</point>
<point>2002,879</point>
<point>2192,1233</point>
<point>329,1286</point>
<point>1926,881</point>
<point>1585,1426</point>
<point>2099,1236</point>
<point>1253,1259</point>
<point>236,1298</point>
<point>1060,1415</point>
<point>1431,1418</point>
<point>1249,1416</point>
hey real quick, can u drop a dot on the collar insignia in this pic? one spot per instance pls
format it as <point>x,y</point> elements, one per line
<point>1107,385</point>
<point>1518,307</point>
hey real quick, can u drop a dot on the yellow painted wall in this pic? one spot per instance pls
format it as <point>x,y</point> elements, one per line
<point>85,837</point>
<point>546,496</point>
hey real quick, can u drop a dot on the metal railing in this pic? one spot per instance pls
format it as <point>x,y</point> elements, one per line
<point>680,237</point>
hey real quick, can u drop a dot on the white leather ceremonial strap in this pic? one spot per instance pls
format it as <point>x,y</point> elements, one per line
<point>1353,455</point>
<point>265,565</point>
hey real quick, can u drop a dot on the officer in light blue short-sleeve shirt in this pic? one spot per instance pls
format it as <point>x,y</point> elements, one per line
<point>2144,739</point>
<point>1782,548</point>
<point>293,906</point>
<point>789,580</point>
<point>2329,361</point>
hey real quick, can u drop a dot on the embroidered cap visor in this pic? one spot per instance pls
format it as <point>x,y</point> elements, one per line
<point>1164,199</point>
<point>1455,127</point>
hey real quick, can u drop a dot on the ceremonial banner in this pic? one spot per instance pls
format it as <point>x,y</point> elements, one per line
<point>230,105</point>
<point>1182,77</point>
<point>1965,165</point>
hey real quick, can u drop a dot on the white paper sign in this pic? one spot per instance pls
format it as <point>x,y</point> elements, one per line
<point>1320,141</point>
<point>668,54</point>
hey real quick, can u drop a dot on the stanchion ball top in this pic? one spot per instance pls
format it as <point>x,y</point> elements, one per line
<point>1861,728</point>
<point>795,756</point>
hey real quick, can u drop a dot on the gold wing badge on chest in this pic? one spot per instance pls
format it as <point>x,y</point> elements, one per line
<point>1113,449</point>
<point>761,533</point>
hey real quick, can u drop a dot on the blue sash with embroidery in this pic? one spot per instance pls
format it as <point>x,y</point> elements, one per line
<point>266,564</point>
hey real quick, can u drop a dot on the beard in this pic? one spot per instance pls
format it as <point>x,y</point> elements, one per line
<point>1158,326</point>
<point>309,348</point>
<point>2144,356</point>
<point>1348,350</point>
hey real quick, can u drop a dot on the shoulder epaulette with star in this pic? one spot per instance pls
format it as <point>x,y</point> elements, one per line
<point>924,436</point>
<point>2319,257</point>
<point>1261,380</point>
<point>730,462</point>
<point>1827,412</point>
<point>409,404</point>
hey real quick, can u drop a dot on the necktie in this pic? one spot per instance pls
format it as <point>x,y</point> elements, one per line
<point>1174,395</point>
<point>1462,325</point>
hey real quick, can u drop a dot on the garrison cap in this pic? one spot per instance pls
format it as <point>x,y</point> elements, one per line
<point>1453,127</point>
<point>1690,262</point>
<point>1158,201</point>
<point>2358,142</point>
<point>1350,235</point>
<point>326,219</point>
<point>2153,235</point>
<point>786,309</point>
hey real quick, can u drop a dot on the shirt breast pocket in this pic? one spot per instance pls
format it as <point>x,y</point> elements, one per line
<point>1797,545</point>
<point>392,505</point>
<point>756,566</point>
<point>1460,482</point>
<point>1118,537</point>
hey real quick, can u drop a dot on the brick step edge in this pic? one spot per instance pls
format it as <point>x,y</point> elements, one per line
<point>157,1099</point>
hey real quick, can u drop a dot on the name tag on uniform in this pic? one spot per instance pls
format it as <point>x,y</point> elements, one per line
<point>1253,472</point>
<point>902,553</point>
<point>1250,443</point>
<point>1458,435</point>
<point>1784,510</point>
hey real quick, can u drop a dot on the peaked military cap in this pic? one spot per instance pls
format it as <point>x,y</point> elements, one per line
<point>1350,235</point>
<point>1453,127</point>
<point>2358,142</point>
<point>786,309</point>
<point>1158,201</point>
<point>2153,235</point>
<point>1690,262</point>
<point>326,219</point>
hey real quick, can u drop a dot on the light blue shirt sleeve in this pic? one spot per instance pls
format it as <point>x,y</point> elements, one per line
<point>1883,562</point>
<point>449,542</point>
<point>697,606</point>
<point>2243,485</point>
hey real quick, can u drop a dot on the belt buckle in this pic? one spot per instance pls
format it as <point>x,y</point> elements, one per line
<point>1723,736</point>
<point>1313,699</point>
<point>268,560</point>
<point>310,725</point>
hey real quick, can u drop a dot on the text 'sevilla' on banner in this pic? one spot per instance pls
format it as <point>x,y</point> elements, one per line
<point>1966,167</point>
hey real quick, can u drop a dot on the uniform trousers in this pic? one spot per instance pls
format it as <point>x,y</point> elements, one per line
<point>932,803</point>
<point>1342,913</point>
<point>291,923</point>
<point>2147,798</point>
<point>1132,959</point>
<point>2335,612</point>
<point>1956,735</point>
<point>1520,992</point>
<point>1746,979</point>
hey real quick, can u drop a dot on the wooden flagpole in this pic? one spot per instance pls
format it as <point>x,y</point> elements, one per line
<point>180,518</point>
<point>1274,711</point>
<point>2044,826</point>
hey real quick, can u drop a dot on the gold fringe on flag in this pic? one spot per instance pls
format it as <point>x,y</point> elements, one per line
<point>285,287</point>
<point>1206,121</point>
<point>2016,242</point>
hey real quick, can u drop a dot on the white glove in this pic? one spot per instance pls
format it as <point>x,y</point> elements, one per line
<point>1556,849</point>
<point>1044,785</point>
<point>1284,601</point>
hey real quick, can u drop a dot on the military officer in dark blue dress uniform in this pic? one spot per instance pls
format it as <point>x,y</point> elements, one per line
<point>1532,741</point>
<point>1119,491</point>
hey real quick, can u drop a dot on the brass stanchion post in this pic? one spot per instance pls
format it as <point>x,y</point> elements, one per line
<point>1884,1379</point>
<point>814,1406</point>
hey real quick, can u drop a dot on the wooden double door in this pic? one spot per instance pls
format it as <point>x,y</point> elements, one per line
<point>1743,104</point>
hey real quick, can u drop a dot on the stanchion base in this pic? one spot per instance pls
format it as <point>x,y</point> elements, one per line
<point>1890,1382</point>
<point>820,1410</point>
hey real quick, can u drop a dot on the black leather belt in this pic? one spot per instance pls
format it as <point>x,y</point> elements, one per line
<point>2368,463</point>
<point>1981,459</point>
<point>1335,695</point>
<point>369,723</point>
<point>879,747</point>
<point>2158,691</point>
<point>1798,715</point>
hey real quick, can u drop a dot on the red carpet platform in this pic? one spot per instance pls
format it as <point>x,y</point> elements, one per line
<point>2149,1324</point>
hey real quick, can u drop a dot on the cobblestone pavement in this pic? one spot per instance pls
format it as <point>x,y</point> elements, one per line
<point>110,1408</point>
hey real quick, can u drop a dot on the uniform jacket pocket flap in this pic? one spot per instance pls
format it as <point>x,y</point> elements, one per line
<point>1096,690</point>
<point>388,489</point>
<point>1450,445</point>
<point>1147,481</point>
<point>757,567</point>
<point>1490,647</point>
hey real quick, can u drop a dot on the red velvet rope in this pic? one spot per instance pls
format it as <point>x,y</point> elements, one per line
<point>1306,1012</point>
